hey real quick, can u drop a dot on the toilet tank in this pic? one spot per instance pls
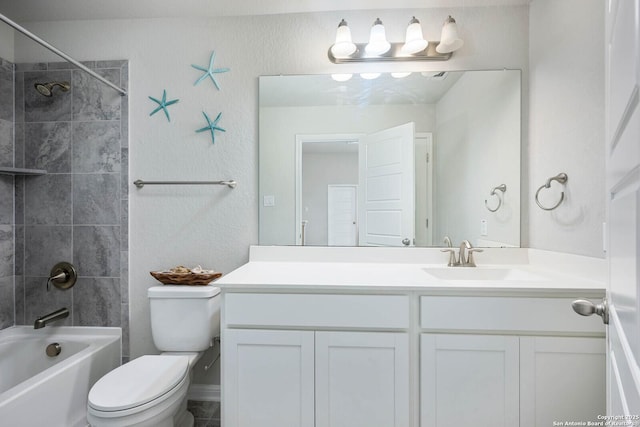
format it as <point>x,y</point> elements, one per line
<point>184,318</point>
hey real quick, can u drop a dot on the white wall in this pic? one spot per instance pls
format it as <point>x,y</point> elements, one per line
<point>567,124</point>
<point>215,226</point>
<point>477,123</point>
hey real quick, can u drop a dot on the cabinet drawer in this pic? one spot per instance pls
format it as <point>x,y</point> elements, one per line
<point>316,310</point>
<point>505,314</point>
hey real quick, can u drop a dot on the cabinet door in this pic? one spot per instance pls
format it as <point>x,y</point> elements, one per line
<point>561,379</point>
<point>362,379</point>
<point>468,380</point>
<point>267,379</point>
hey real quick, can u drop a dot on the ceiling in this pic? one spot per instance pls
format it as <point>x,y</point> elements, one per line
<point>319,90</point>
<point>62,10</point>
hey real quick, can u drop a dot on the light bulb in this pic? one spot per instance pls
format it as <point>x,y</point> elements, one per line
<point>370,76</point>
<point>341,77</point>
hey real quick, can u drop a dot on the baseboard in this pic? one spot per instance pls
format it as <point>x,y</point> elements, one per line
<point>204,392</point>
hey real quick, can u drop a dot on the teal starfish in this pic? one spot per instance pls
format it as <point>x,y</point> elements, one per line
<point>212,126</point>
<point>163,104</point>
<point>209,72</point>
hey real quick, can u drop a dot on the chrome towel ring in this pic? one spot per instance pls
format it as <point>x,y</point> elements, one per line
<point>562,179</point>
<point>503,189</point>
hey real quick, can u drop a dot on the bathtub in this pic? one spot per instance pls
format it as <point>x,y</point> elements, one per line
<point>38,390</point>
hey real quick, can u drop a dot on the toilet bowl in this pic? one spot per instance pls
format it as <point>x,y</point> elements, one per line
<point>151,390</point>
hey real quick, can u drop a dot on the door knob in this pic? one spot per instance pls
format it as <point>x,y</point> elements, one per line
<point>406,241</point>
<point>586,308</point>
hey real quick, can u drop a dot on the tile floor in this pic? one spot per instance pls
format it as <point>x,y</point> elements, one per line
<point>206,413</point>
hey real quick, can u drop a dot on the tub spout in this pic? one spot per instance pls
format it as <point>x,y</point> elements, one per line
<point>56,315</point>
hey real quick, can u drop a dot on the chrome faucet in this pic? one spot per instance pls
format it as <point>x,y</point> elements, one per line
<point>41,322</point>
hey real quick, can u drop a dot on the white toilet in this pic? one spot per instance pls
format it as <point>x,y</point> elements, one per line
<point>152,390</point>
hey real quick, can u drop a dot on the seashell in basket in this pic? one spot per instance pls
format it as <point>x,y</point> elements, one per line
<point>189,278</point>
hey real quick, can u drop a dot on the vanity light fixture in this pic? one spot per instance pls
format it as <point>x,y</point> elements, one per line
<point>414,48</point>
<point>414,41</point>
<point>378,43</point>
<point>449,40</point>
<point>344,45</point>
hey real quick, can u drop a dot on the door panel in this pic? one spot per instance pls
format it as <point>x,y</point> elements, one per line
<point>469,380</point>
<point>342,215</point>
<point>362,379</point>
<point>623,196</point>
<point>268,378</point>
<point>386,168</point>
<point>561,379</point>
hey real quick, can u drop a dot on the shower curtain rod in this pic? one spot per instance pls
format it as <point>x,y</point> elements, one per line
<point>60,53</point>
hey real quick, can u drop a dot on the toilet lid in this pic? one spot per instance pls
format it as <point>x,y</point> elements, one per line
<point>138,382</point>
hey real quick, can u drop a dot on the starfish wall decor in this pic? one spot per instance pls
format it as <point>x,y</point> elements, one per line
<point>163,104</point>
<point>212,126</point>
<point>210,72</point>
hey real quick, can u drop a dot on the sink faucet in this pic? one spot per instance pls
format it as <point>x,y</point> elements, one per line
<point>467,261</point>
<point>56,315</point>
<point>462,260</point>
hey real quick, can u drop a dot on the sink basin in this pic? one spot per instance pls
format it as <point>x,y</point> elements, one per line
<point>479,273</point>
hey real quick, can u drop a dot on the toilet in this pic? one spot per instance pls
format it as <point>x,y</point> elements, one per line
<point>152,390</point>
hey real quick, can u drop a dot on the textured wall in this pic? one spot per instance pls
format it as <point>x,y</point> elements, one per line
<point>567,125</point>
<point>77,212</point>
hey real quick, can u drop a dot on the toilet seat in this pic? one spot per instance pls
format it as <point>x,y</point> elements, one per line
<point>139,384</point>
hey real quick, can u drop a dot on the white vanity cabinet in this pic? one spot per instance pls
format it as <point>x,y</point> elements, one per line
<point>486,363</point>
<point>290,360</point>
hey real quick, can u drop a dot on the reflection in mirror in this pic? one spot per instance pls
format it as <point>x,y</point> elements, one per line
<point>390,161</point>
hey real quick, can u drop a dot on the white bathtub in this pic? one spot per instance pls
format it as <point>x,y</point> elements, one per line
<point>38,390</point>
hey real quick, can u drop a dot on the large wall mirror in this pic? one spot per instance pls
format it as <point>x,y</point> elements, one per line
<point>390,161</point>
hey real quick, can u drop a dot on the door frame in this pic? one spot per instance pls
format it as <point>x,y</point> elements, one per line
<point>315,139</point>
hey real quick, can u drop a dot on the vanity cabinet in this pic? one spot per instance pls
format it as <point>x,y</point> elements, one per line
<point>295,371</point>
<point>495,369</point>
<point>409,359</point>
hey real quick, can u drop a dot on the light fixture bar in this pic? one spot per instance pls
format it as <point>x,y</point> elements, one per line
<point>394,54</point>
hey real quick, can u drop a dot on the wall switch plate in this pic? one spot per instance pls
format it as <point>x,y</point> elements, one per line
<point>483,227</point>
<point>269,201</point>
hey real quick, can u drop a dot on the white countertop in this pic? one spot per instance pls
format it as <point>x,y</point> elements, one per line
<point>350,269</point>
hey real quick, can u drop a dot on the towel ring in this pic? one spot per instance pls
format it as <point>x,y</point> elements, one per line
<point>562,179</point>
<point>502,188</point>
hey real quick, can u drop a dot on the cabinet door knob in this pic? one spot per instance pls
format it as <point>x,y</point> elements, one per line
<point>586,308</point>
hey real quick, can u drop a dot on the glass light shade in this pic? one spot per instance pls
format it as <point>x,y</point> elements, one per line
<point>449,41</point>
<point>414,41</point>
<point>400,75</point>
<point>341,77</point>
<point>378,43</point>
<point>344,46</point>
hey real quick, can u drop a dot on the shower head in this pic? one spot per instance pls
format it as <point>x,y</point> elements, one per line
<point>46,89</point>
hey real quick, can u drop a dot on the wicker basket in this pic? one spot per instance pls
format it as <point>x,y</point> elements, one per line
<point>191,279</point>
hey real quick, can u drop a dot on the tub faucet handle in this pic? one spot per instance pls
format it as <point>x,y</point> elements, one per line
<point>63,276</point>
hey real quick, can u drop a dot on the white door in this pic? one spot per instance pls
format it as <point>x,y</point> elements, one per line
<point>469,380</point>
<point>362,379</point>
<point>622,37</point>
<point>342,215</point>
<point>386,168</point>
<point>268,378</point>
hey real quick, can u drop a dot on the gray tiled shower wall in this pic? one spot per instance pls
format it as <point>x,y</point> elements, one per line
<point>77,212</point>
